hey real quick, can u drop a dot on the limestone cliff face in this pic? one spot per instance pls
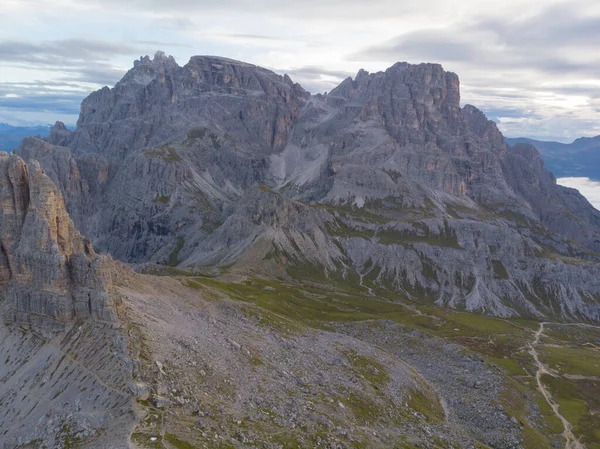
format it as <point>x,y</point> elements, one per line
<point>49,272</point>
<point>221,161</point>
<point>158,100</point>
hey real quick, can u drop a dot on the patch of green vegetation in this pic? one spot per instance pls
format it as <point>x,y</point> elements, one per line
<point>201,133</point>
<point>457,210</point>
<point>197,133</point>
<point>366,214</point>
<point>577,400</point>
<point>504,211</point>
<point>316,305</point>
<point>570,214</point>
<point>580,335</point>
<point>572,360</point>
<point>373,371</point>
<point>499,270</point>
<point>428,270</point>
<point>177,443</point>
<point>161,199</point>
<point>69,440</point>
<point>270,320</point>
<point>518,401</point>
<point>174,256</point>
<point>305,304</point>
<point>446,238</point>
<point>427,404</point>
<point>143,440</point>
<point>338,278</point>
<point>167,154</point>
<point>338,228</point>
<point>164,270</point>
<point>551,254</point>
<point>363,407</point>
<point>318,301</point>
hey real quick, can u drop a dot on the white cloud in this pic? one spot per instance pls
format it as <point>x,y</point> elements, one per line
<point>588,188</point>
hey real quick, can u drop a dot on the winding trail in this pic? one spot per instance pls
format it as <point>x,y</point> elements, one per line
<point>363,285</point>
<point>571,441</point>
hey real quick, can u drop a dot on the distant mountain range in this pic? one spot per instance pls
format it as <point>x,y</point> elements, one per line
<point>581,158</point>
<point>11,136</point>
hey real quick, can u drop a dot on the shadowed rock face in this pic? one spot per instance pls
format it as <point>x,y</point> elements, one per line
<point>49,272</point>
<point>220,162</point>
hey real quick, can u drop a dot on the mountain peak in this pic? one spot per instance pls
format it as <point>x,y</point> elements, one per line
<point>59,134</point>
<point>160,59</point>
<point>221,60</point>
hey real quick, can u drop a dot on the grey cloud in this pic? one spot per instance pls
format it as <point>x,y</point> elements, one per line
<point>507,66</point>
<point>39,86</point>
<point>312,78</point>
<point>433,45</point>
<point>496,114</point>
<point>71,61</point>
<point>83,60</point>
<point>555,26</point>
<point>259,37</point>
<point>314,9</point>
<point>159,44</point>
<point>99,74</point>
<point>61,104</point>
<point>176,23</point>
<point>546,43</point>
<point>317,72</point>
<point>588,188</point>
<point>62,51</point>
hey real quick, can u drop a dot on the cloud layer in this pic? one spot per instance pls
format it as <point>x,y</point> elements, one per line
<point>588,188</point>
<point>531,65</point>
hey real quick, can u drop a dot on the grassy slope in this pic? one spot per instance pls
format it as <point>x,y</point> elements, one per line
<point>315,301</point>
<point>501,342</point>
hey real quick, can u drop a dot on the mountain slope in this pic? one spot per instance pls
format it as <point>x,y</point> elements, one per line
<point>386,179</point>
<point>303,243</point>
<point>11,136</point>
<point>97,356</point>
<point>581,158</point>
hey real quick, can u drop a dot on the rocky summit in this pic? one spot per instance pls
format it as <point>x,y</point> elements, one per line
<point>374,267</point>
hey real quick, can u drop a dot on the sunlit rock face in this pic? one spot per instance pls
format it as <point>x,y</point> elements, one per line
<point>49,272</point>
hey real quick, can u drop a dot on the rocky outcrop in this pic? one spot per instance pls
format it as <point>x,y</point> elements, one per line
<point>50,274</point>
<point>59,134</point>
<point>65,372</point>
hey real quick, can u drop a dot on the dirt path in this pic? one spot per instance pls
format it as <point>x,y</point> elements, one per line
<point>365,286</point>
<point>571,441</point>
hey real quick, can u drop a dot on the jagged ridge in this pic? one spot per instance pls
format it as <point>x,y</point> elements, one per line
<point>167,167</point>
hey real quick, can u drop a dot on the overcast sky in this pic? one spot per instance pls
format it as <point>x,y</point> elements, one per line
<point>532,66</point>
<point>588,188</point>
